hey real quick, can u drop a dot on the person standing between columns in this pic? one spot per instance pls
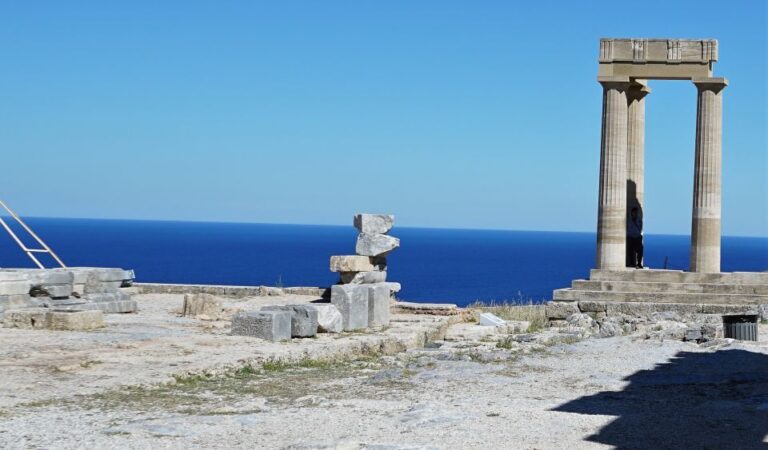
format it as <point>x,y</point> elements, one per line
<point>635,238</point>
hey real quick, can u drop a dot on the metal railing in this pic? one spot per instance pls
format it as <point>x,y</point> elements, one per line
<point>29,251</point>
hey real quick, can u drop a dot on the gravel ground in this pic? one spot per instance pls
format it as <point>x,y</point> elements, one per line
<point>471,390</point>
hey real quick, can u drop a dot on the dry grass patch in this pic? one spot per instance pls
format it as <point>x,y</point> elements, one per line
<point>513,310</point>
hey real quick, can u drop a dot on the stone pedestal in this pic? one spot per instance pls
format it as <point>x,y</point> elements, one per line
<point>612,205</point>
<point>705,230</point>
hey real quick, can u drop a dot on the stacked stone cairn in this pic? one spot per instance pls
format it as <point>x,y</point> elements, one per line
<point>40,298</point>
<point>361,299</point>
<point>363,293</point>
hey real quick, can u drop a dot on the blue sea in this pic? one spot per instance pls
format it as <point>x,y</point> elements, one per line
<point>433,265</point>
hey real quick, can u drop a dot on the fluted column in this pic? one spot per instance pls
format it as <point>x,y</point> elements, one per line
<point>705,230</point>
<point>635,152</point>
<point>612,202</point>
<point>636,144</point>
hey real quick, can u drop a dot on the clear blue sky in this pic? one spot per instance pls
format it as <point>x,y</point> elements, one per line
<point>472,114</point>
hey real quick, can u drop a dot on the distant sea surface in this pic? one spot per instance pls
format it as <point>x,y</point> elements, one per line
<point>433,265</point>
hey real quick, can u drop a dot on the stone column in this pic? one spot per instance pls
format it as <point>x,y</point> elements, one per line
<point>636,144</point>
<point>636,150</point>
<point>612,203</point>
<point>705,231</point>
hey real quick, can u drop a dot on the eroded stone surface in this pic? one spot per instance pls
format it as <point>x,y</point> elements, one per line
<point>374,223</point>
<point>375,244</point>
<point>329,318</point>
<point>374,276</point>
<point>352,302</point>
<point>75,320</point>
<point>201,304</point>
<point>304,321</point>
<point>268,325</point>
<point>378,305</point>
<point>352,263</point>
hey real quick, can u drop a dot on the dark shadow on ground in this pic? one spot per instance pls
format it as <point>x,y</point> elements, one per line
<point>696,400</point>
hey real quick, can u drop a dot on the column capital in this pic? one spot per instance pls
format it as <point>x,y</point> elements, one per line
<point>715,84</point>
<point>610,82</point>
<point>638,89</point>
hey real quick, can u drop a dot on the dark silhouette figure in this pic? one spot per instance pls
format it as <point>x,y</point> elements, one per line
<point>634,227</point>
<point>635,239</point>
<point>696,400</point>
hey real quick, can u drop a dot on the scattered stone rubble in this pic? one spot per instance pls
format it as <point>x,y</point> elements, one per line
<point>361,300</point>
<point>661,321</point>
<point>39,298</point>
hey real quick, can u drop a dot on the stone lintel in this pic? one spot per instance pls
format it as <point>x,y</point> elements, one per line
<point>655,50</point>
<point>662,59</point>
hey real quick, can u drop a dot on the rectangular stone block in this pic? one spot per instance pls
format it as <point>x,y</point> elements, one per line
<point>374,223</point>
<point>54,290</point>
<point>19,301</point>
<point>375,244</point>
<point>560,310</point>
<point>12,275</point>
<point>352,263</point>
<point>202,305</point>
<point>106,297</point>
<point>30,318</point>
<point>75,320</point>
<point>303,318</point>
<point>14,287</point>
<point>41,277</point>
<point>378,305</point>
<point>352,302</point>
<point>373,276</point>
<point>329,318</point>
<point>588,306</point>
<point>268,325</point>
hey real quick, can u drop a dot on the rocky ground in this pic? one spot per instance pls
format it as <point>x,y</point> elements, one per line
<point>474,387</point>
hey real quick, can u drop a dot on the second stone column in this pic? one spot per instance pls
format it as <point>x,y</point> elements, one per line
<point>705,229</point>
<point>612,203</point>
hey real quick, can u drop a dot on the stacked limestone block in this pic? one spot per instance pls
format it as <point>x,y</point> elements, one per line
<point>67,289</point>
<point>363,293</point>
<point>277,323</point>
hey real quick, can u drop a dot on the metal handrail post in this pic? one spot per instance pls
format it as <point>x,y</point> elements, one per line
<point>28,251</point>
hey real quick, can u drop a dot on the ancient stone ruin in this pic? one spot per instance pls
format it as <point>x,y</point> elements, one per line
<point>625,65</point>
<point>359,301</point>
<point>363,293</point>
<point>63,298</point>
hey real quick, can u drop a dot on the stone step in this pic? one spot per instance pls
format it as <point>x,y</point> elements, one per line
<point>571,295</point>
<point>679,288</point>
<point>679,276</point>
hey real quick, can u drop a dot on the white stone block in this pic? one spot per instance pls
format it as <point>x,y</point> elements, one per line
<point>14,287</point>
<point>488,319</point>
<point>373,276</point>
<point>352,302</point>
<point>303,318</point>
<point>378,305</point>
<point>329,318</point>
<point>374,223</point>
<point>375,244</point>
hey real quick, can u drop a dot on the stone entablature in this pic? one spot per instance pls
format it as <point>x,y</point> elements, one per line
<point>657,58</point>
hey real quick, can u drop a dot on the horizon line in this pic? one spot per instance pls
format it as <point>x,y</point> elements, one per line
<point>343,225</point>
